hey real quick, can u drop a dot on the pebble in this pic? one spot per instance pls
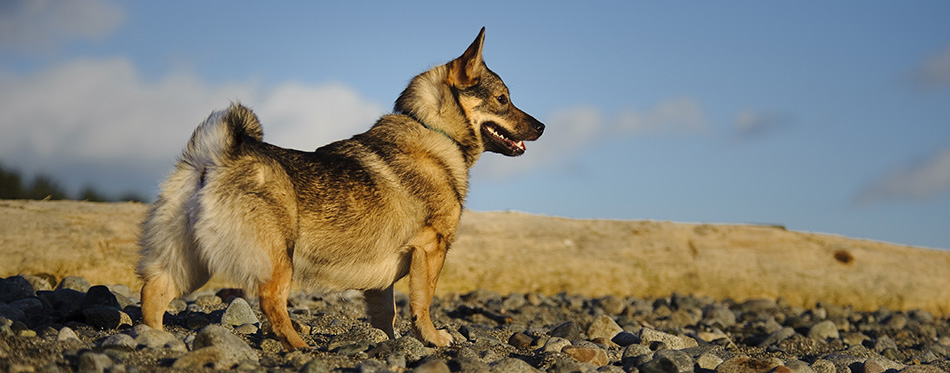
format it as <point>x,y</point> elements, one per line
<point>77,327</point>
<point>73,283</point>
<point>668,361</point>
<point>66,334</point>
<point>649,336</point>
<point>216,347</point>
<point>824,330</point>
<point>595,356</point>
<point>238,313</point>
<point>511,365</point>
<point>603,327</point>
<point>555,344</point>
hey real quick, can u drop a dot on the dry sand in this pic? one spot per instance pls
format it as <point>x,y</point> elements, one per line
<point>514,252</point>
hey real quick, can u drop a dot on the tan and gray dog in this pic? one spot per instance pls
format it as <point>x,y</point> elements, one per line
<point>354,214</point>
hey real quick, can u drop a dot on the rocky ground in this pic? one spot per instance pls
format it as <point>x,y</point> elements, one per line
<point>74,327</point>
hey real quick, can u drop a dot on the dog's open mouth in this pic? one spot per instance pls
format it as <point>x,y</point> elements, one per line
<point>502,139</point>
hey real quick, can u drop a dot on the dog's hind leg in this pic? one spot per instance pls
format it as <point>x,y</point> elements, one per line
<point>156,293</point>
<point>170,265</point>
<point>381,309</point>
<point>428,255</point>
<point>273,295</point>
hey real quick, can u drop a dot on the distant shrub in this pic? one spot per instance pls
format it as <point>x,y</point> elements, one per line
<point>44,187</point>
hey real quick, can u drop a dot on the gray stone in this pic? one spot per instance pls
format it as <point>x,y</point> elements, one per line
<point>371,366</point>
<point>315,366</point>
<point>824,330</point>
<point>881,364</point>
<point>798,366</point>
<point>648,336</point>
<point>882,343</point>
<point>568,330</point>
<point>73,283</point>
<point>151,338</point>
<point>239,313</point>
<point>741,364</point>
<point>555,344</point>
<point>513,301</point>
<point>120,340</point>
<point>668,361</point>
<point>590,355</point>
<point>38,283</point>
<point>841,361</point>
<point>777,337</point>
<point>709,360</point>
<point>66,334</point>
<point>603,327</point>
<point>569,365</point>
<point>633,351</point>
<point>432,366</point>
<point>612,305</point>
<point>407,346</point>
<point>719,316</point>
<point>473,365</point>
<point>90,362</point>
<point>216,347</point>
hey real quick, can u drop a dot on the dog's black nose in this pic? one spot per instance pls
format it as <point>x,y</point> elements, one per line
<point>538,126</point>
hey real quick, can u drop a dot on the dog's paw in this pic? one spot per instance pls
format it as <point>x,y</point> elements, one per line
<point>442,338</point>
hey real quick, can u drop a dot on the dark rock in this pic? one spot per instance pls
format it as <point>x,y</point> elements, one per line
<point>520,340</point>
<point>105,317</point>
<point>99,295</point>
<point>14,288</point>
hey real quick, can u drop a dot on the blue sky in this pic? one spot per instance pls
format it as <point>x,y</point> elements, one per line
<point>830,117</point>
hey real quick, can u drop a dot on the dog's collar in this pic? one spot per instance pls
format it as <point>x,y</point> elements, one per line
<point>437,130</point>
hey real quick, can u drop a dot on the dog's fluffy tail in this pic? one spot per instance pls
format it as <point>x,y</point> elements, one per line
<point>170,255</point>
<point>217,138</point>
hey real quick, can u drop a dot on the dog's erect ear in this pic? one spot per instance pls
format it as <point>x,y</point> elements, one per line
<point>465,70</point>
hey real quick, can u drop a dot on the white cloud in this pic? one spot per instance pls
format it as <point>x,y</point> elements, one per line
<point>752,123</point>
<point>680,115</point>
<point>934,72</point>
<point>570,131</point>
<point>103,113</point>
<point>918,181</point>
<point>39,25</point>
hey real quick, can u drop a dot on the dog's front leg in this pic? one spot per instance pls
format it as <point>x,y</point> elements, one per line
<point>428,254</point>
<point>381,309</point>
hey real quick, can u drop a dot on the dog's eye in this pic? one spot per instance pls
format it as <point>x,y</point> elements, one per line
<point>502,99</point>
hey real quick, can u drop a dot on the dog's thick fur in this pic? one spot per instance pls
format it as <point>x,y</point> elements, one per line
<point>355,214</point>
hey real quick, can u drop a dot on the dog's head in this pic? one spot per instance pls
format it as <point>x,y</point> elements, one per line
<point>484,99</point>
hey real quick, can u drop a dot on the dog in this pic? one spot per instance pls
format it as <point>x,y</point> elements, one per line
<point>359,213</point>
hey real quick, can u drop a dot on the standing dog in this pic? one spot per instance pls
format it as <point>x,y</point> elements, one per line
<point>355,214</point>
